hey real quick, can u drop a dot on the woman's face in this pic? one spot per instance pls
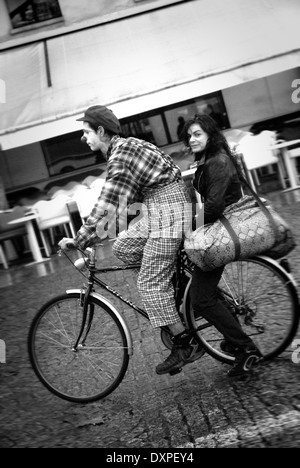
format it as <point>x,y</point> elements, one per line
<point>198,138</point>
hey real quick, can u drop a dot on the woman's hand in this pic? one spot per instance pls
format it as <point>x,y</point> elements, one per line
<point>67,243</point>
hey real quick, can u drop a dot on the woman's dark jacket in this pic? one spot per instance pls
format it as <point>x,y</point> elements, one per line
<point>218,183</point>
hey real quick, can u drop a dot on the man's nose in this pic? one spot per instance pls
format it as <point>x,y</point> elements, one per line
<point>83,139</point>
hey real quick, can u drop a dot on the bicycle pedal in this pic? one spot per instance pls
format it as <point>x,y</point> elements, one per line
<point>174,372</point>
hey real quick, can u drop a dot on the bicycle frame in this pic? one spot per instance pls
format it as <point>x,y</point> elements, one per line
<point>90,292</point>
<point>182,270</point>
<point>93,279</point>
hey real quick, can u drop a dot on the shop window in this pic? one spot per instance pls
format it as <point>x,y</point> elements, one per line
<point>176,118</point>
<point>212,105</point>
<point>149,128</point>
<point>67,153</point>
<point>30,12</point>
<point>164,126</point>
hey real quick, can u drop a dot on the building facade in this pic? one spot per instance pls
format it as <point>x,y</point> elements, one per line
<point>154,62</point>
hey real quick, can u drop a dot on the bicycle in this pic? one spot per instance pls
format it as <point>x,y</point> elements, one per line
<point>80,345</point>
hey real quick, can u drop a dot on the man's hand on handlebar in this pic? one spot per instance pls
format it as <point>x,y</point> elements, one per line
<point>67,244</point>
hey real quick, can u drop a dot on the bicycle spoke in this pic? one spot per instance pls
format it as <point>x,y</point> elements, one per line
<point>91,371</point>
<point>263,300</point>
<point>52,340</point>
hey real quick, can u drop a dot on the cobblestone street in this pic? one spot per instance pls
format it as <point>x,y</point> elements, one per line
<point>198,408</point>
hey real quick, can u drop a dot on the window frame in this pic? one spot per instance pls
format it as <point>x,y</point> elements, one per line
<point>134,119</point>
<point>35,21</point>
<point>68,159</point>
<point>64,157</point>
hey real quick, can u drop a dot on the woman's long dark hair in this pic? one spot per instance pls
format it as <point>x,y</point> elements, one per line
<point>216,140</point>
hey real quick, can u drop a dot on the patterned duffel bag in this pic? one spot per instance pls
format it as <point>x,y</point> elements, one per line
<point>247,228</point>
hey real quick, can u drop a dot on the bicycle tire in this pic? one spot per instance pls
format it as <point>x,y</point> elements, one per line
<point>267,290</point>
<point>96,368</point>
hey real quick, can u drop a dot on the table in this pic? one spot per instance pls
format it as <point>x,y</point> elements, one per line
<point>289,164</point>
<point>28,220</point>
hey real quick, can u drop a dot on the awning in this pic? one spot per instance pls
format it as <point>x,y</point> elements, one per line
<point>144,62</point>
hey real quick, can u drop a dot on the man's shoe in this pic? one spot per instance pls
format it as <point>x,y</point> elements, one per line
<point>244,362</point>
<point>229,348</point>
<point>185,350</point>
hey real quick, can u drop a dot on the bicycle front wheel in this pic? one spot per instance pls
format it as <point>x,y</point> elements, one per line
<point>96,367</point>
<point>263,299</point>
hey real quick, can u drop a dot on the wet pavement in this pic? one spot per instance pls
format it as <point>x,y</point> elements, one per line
<point>200,407</point>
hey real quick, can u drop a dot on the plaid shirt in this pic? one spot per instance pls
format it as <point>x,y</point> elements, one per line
<point>134,167</point>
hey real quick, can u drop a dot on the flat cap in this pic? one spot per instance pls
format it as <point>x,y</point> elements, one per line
<point>101,116</point>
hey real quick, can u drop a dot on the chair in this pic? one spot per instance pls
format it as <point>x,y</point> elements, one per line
<point>53,190</point>
<point>67,192</point>
<point>51,214</point>
<point>3,258</point>
<point>89,180</point>
<point>294,155</point>
<point>256,153</point>
<point>97,184</point>
<point>86,200</point>
<point>10,232</point>
<point>234,136</point>
<point>70,185</point>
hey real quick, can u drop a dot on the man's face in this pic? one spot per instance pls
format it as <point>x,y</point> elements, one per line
<point>91,138</point>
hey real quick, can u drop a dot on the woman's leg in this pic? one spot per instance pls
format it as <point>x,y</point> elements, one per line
<point>206,304</point>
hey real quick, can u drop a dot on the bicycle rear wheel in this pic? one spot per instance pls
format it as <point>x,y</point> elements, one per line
<point>262,297</point>
<point>100,362</point>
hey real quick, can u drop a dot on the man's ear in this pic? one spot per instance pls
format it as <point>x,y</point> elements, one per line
<point>101,131</point>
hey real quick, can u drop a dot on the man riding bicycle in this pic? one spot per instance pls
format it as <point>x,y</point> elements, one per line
<point>139,171</point>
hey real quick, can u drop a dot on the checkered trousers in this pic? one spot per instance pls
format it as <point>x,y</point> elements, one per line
<point>154,241</point>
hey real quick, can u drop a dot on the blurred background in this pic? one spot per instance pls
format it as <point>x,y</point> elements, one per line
<point>154,63</point>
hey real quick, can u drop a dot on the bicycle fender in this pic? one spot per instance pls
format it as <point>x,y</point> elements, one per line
<point>115,311</point>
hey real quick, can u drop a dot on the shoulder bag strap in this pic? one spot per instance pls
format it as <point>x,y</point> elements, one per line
<point>262,206</point>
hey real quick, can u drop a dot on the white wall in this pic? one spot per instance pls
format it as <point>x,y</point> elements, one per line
<point>75,12</point>
<point>246,104</point>
<point>91,9</point>
<point>261,99</point>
